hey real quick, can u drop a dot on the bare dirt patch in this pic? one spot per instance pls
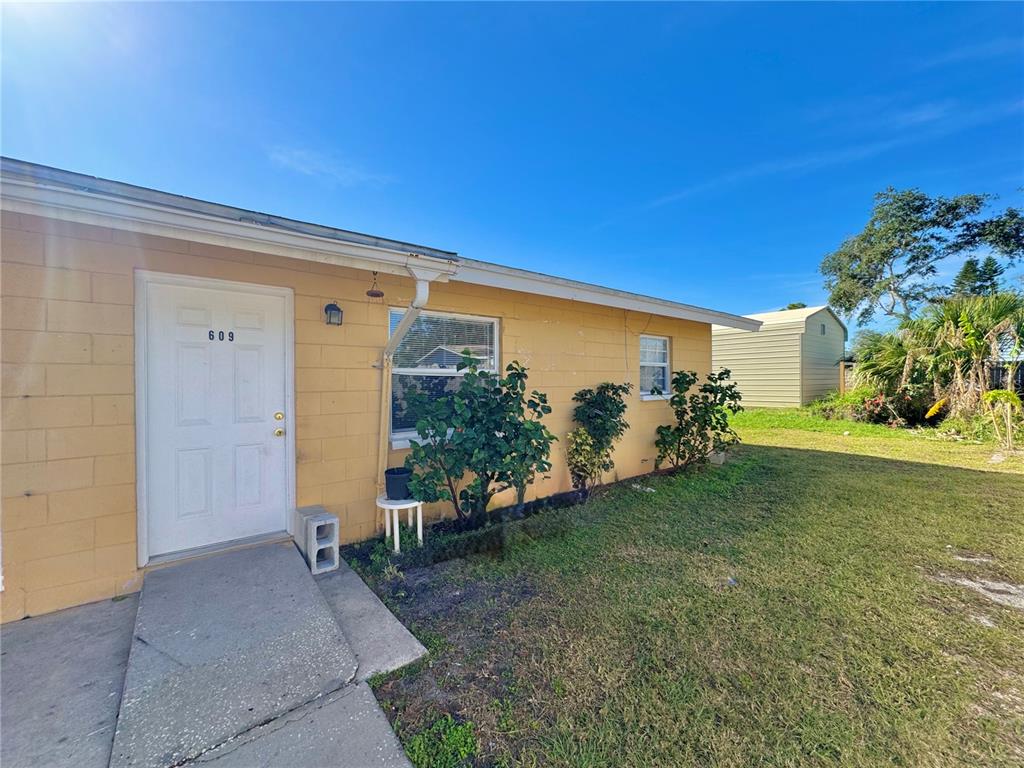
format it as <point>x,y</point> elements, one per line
<point>1002,592</point>
<point>450,608</point>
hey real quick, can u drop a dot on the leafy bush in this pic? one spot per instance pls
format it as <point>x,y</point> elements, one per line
<point>905,406</point>
<point>702,419</point>
<point>849,405</point>
<point>488,429</point>
<point>445,744</point>
<point>602,413</point>
<point>584,462</point>
<point>976,428</point>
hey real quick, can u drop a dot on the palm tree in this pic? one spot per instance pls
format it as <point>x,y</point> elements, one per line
<point>882,360</point>
<point>956,340</point>
<point>951,346</point>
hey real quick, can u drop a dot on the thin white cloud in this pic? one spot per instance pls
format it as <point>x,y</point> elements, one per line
<point>879,113</point>
<point>317,164</point>
<point>954,123</point>
<point>1002,46</point>
<point>800,163</point>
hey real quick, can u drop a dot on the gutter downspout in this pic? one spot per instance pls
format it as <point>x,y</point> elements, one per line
<point>423,279</point>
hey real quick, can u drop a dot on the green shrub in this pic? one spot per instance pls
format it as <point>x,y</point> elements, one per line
<point>976,428</point>
<point>602,412</point>
<point>445,744</point>
<point>849,405</point>
<point>585,464</point>
<point>904,406</point>
<point>488,430</point>
<point>702,419</point>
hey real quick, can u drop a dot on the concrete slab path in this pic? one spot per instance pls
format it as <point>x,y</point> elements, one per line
<point>346,729</point>
<point>222,645</point>
<point>62,674</point>
<point>380,641</point>
<point>60,684</point>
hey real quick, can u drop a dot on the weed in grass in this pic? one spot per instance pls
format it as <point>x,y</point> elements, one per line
<point>445,744</point>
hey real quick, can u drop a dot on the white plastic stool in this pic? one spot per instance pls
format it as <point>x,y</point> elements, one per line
<point>391,507</point>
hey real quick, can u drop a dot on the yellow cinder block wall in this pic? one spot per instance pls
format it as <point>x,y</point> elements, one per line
<point>68,421</point>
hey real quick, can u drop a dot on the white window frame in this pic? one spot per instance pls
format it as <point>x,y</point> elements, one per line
<point>401,439</point>
<point>645,396</point>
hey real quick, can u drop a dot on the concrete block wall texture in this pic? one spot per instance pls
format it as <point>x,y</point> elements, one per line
<point>68,416</point>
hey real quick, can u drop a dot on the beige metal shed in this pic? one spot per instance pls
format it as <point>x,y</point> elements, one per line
<point>794,358</point>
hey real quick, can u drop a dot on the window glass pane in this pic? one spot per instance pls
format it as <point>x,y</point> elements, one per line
<point>653,350</point>
<point>435,386</point>
<point>652,376</point>
<point>438,342</point>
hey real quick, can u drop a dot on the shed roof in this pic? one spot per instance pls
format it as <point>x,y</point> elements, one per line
<point>791,317</point>
<point>788,315</point>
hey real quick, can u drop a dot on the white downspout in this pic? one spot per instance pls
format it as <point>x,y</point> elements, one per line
<point>418,302</point>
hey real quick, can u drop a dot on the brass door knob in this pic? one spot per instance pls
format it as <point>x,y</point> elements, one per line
<point>278,432</point>
<point>278,416</point>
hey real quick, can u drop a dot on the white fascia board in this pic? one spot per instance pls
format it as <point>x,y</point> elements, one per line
<point>84,207</point>
<point>509,278</point>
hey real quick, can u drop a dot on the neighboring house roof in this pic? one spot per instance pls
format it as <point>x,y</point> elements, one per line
<point>45,191</point>
<point>477,351</point>
<point>1009,351</point>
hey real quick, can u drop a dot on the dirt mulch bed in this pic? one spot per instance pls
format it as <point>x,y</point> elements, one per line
<point>468,624</point>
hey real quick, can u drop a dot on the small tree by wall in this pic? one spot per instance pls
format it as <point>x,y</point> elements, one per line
<point>701,419</point>
<point>583,460</point>
<point>601,411</point>
<point>484,438</point>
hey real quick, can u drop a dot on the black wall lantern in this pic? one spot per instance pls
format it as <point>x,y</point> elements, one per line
<point>333,314</point>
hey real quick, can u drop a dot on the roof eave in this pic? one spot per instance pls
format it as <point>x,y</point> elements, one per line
<point>510,278</point>
<point>63,195</point>
<point>92,208</point>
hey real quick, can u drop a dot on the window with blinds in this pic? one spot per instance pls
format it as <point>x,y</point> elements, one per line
<point>654,365</point>
<point>428,357</point>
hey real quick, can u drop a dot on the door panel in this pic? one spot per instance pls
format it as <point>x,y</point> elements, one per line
<point>215,377</point>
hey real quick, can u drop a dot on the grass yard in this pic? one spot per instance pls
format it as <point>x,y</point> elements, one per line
<point>794,607</point>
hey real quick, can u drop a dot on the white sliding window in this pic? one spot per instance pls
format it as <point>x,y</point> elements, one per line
<point>429,354</point>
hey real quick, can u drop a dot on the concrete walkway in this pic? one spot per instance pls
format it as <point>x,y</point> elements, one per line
<point>236,659</point>
<point>380,641</point>
<point>61,677</point>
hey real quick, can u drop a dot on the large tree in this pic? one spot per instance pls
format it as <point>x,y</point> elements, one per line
<point>890,266</point>
<point>989,274</point>
<point>976,279</point>
<point>966,281</point>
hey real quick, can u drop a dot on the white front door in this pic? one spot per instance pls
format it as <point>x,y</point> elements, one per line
<point>216,426</point>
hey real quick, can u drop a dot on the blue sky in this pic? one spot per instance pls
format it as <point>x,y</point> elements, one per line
<point>708,153</point>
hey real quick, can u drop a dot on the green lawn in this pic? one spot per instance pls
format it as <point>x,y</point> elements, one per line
<point>788,608</point>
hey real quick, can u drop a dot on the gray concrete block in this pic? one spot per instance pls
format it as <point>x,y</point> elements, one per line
<point>317,537</point>
<point>346,729</point>
<point>222,645</point>
<point>380,641</point>
<point>60,684</point>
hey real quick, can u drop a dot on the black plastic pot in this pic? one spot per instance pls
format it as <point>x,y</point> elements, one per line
<point>396,482</point>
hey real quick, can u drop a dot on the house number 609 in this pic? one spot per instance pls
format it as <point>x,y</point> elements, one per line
<point>219,335</point>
